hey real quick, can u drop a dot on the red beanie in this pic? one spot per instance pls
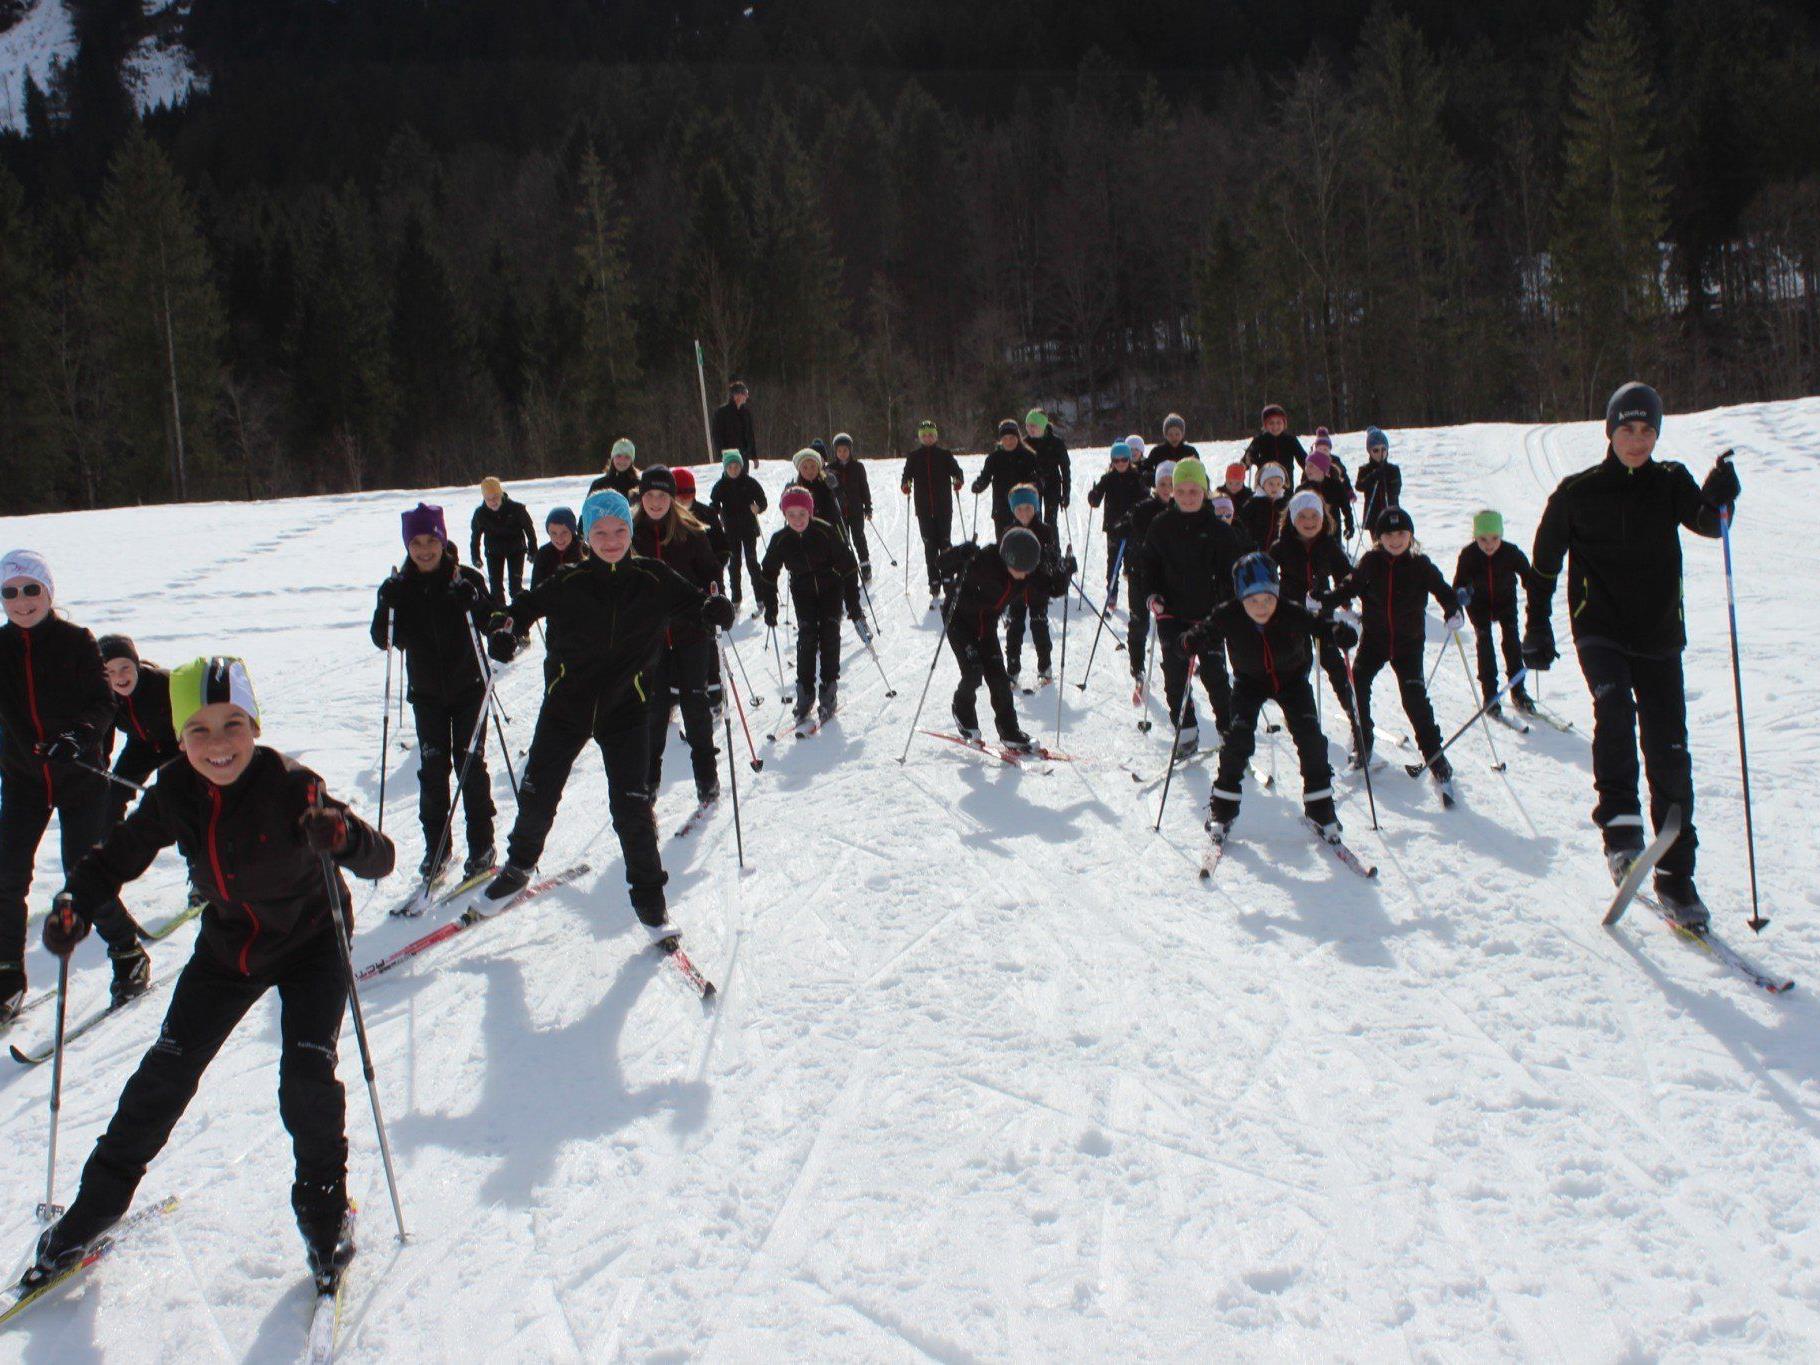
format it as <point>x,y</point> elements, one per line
<point>1235,473</point>
<point>796,497</point>
<point>685,482</point>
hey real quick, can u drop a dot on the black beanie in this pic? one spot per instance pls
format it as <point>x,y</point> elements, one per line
<point>657,478</point>
<point>117,647</point>
<point>1634,402</point>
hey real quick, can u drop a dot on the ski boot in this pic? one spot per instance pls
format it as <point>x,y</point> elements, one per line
<point>1442,773</point>
<point>1186,742</point>
<point>1013,675</point>
<point>12,991</point>
<point>132,973</point>
<point>1675,890</point>
<point>511,880</point>
<point>665,936</point>
<point>967,730</point>
<point>935,600</point>
<point>830,703</point>
<point>1017,742</point>
<point>708,795</point>
<point>481,860</point>
<point>1044,675</point>
<point>1217,830</point>
<point>1322,818</point>
<point>865,572</point>
<point>62,1244</point>
<point>434,864</point>
<point>327,1224</point>
<point>1525,704</point>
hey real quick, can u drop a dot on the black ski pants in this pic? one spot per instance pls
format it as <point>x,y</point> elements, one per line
<point>1333,663</point>
<point>81,802</point>
<point>1035,612</point>
<point>445,732</point>
<point>1296,700</point>
<point>981,661</point>
<point>683,677</point>
<point>574,713</point>
<point>744,546</point>
<point>1639,700</point>
<point>207,1004</point>
<point>1137,628</point>
<point>1407,665</point>
<point>818,615</point>
<point>1212,671</point>
<point>505,566</point>
<point>1504,619</point>
<point>937,535</point>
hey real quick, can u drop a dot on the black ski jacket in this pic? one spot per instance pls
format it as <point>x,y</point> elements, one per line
<point>1054,477</point>
<point>1493,579</point>
<point>1285,450</point>
<point>824,575</point>
<point>1270,655</point>
<point>144,717</point>
<point>692,555</point>
<point>980,587</point>
<point>1188,562</point>
<point>506,530</point>
<point>732,429</point>
<point>621,481</point>
<point>549,559</point>
<point>1176,453</point>
<point>51,683</point>
<point>1262,520</point>
<point>734,499</point>
<point>852,489</point>
<point>1134,530</point>
<point>1380,483</point>
<point>1308,567</point>
<point>1120,493</point>
<point>431,625</point>
<point>1393,593</point>
<point>1003,471</point>
<point>931,474</point>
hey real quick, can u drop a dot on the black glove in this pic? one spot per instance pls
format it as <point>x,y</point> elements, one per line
<point>501,646</point>
<point>325,829</point>
<point>1064,502</point>
<point>65,748</point>
<point>1539,652</point>
<point>1721,487</point>
<point>718,612</point>
<point>1344,635</point>
<point>466,591</point>
<point>771,615</point>
<point>499,620</point>
<point>864,630</point>
<point>1070,565</point>
<point>63,927</point>
<point>1194,640</point>
<point>391,591</point>
<point>1463,594</point>
<point>979,484</point>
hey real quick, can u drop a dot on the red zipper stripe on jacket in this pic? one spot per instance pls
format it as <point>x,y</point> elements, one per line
<point>1491,587</point>
<point>1270,661</point>
<point>221,877</point>
<point>31,704</point>
<point>1390,602</point>
<point>132,714</point>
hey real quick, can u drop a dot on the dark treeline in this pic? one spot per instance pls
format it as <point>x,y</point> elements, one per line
<point>398,243</point>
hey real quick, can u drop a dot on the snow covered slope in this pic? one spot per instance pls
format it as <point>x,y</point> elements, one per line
<point>994,1076</point>
<point>158,73</point>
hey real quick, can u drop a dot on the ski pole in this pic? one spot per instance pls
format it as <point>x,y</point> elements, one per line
<point>1756,920</point>
<point>870,609</point>
<point>778,656</point>
<point>890,691</point>
<point>1358,732</point>
<point>746,677</point>
<point>1417,769</point>
<point>1111,590</point>
<point>726,716</point>
<point>1087,549</point>
<point>1062,676</point>
<point>493,703</point>
<point>385,713</point>
<point>332,883</point>
<point>1098,611</point>
<point>906,547</point>
<point>1429,685</point>
<point>751,748</point>
<point>50,1210</point>
<point>880,537</point>
<point>1180,714</point>
<point>115,778</point>
<point>1143,689</point>
<point>940,640</point>
<point>1497,763</point>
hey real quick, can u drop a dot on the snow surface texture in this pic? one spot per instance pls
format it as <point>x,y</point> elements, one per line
<point>157,73</point>
<point>993,1075</point>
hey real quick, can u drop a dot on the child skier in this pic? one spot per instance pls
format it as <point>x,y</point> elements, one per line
<point>619,476</point>
<point>1310,562</point>
<point>433,608</point>
<point>1133,531</point>
<point>683,674</point>
<point>853,499</point>
<point>1011,463</point>
<point>1327,476</point>
<point>1265,515</point>
<point>810,468</point>
<point>1380,482</point>
<point>980,582</point>
<point>931,478</point>
<point>1236,490</point>
<point>706,515</point>
<point>1274,444</point>
<point>1121,488</point>
<point>1485,578</point>
<point>562,545</point>
<point>142,713</point>
<point>1267,640</point>
<point>55,711</point>
<point>504,527</point>
<point>607,616</point>
<point>739,500</point>
<point>1393,583</point>
<point>1031,603</point>
<point>824,578</point>
<point>255,826</point>
<point>1188,559</point>
<point>1173,448</point>
<point>1618,526</point>
<point>1053,477</point>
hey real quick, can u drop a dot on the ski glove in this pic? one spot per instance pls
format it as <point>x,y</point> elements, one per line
<point>63,927</point>
<point>1539,651</point>
<point>1344,633</point>
<point>65,748</point>
<point>391,591</point>
<point>1721,488</point>
<point>863,630</point>
<point>1154,605</point>
<point>1070,566</point>
<point>1455,623</point>
<point>717,612</point>
<point>1194,640</point>
<point>466,592</point>
<point>1464,594</point>
<point>770,616</point>
<point>502,645</point>
<point>325,830</point>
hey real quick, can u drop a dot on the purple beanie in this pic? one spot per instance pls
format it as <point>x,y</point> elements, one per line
<point>425,519</point>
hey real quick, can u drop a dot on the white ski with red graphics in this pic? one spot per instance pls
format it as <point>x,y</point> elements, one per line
<point>671,949</point>
<point>696,818</point>
<point>1348,859</point>
<point>22,1296</point>
<point>1005,754</point>
<point>86,1024</point>
<point>468,918</point>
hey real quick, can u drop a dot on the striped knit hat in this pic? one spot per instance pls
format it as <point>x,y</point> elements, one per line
<point>203,682</point>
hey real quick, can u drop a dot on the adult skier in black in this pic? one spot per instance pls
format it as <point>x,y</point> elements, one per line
<point>731,426</point>
<point>142,715</point>
<point>931,478</point>
<point>1617,527</point>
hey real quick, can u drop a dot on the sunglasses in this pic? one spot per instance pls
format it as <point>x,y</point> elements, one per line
<point>29,590</point>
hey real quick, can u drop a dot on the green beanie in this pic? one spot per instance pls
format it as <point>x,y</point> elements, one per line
<point>1037,418</point>
<point>624,446</point>
<point>1192,471</point>
<point>1488,523</point>
<point>728,457</point>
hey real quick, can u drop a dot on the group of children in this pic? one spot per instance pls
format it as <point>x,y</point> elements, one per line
<point>630,595</point>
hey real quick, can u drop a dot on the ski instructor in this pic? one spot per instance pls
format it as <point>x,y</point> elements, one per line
<point>1618,527</point>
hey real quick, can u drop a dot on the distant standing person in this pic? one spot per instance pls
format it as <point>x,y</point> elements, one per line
<point>1618,527</point>
<point>932,476</point>
<point>731,427</point>
<point>736,495</point>
<point>504,527</point>
<point>1053,476</point>
<point>621,473</point>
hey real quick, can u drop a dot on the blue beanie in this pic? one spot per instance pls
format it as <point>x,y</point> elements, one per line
<point>1023,494</point>
<point>605,503</point>
<point>1374,437</point>
<point>1120,451</point>
<point>560,516</point>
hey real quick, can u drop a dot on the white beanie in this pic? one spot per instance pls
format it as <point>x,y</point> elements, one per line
<point>1307,501</point>
<point>1165,469</point>
<point>1272,471</point>
<point>28,564</point>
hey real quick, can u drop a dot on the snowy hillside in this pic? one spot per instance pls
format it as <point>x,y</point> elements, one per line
<point>993,1076</point>
<point>158,73</point>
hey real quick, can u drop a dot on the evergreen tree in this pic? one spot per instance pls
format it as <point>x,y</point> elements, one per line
<point>26,384</point>
<point>610,375</point>
<point>435,363</point>
<point>161,320</point>
<point>1610,217</point>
